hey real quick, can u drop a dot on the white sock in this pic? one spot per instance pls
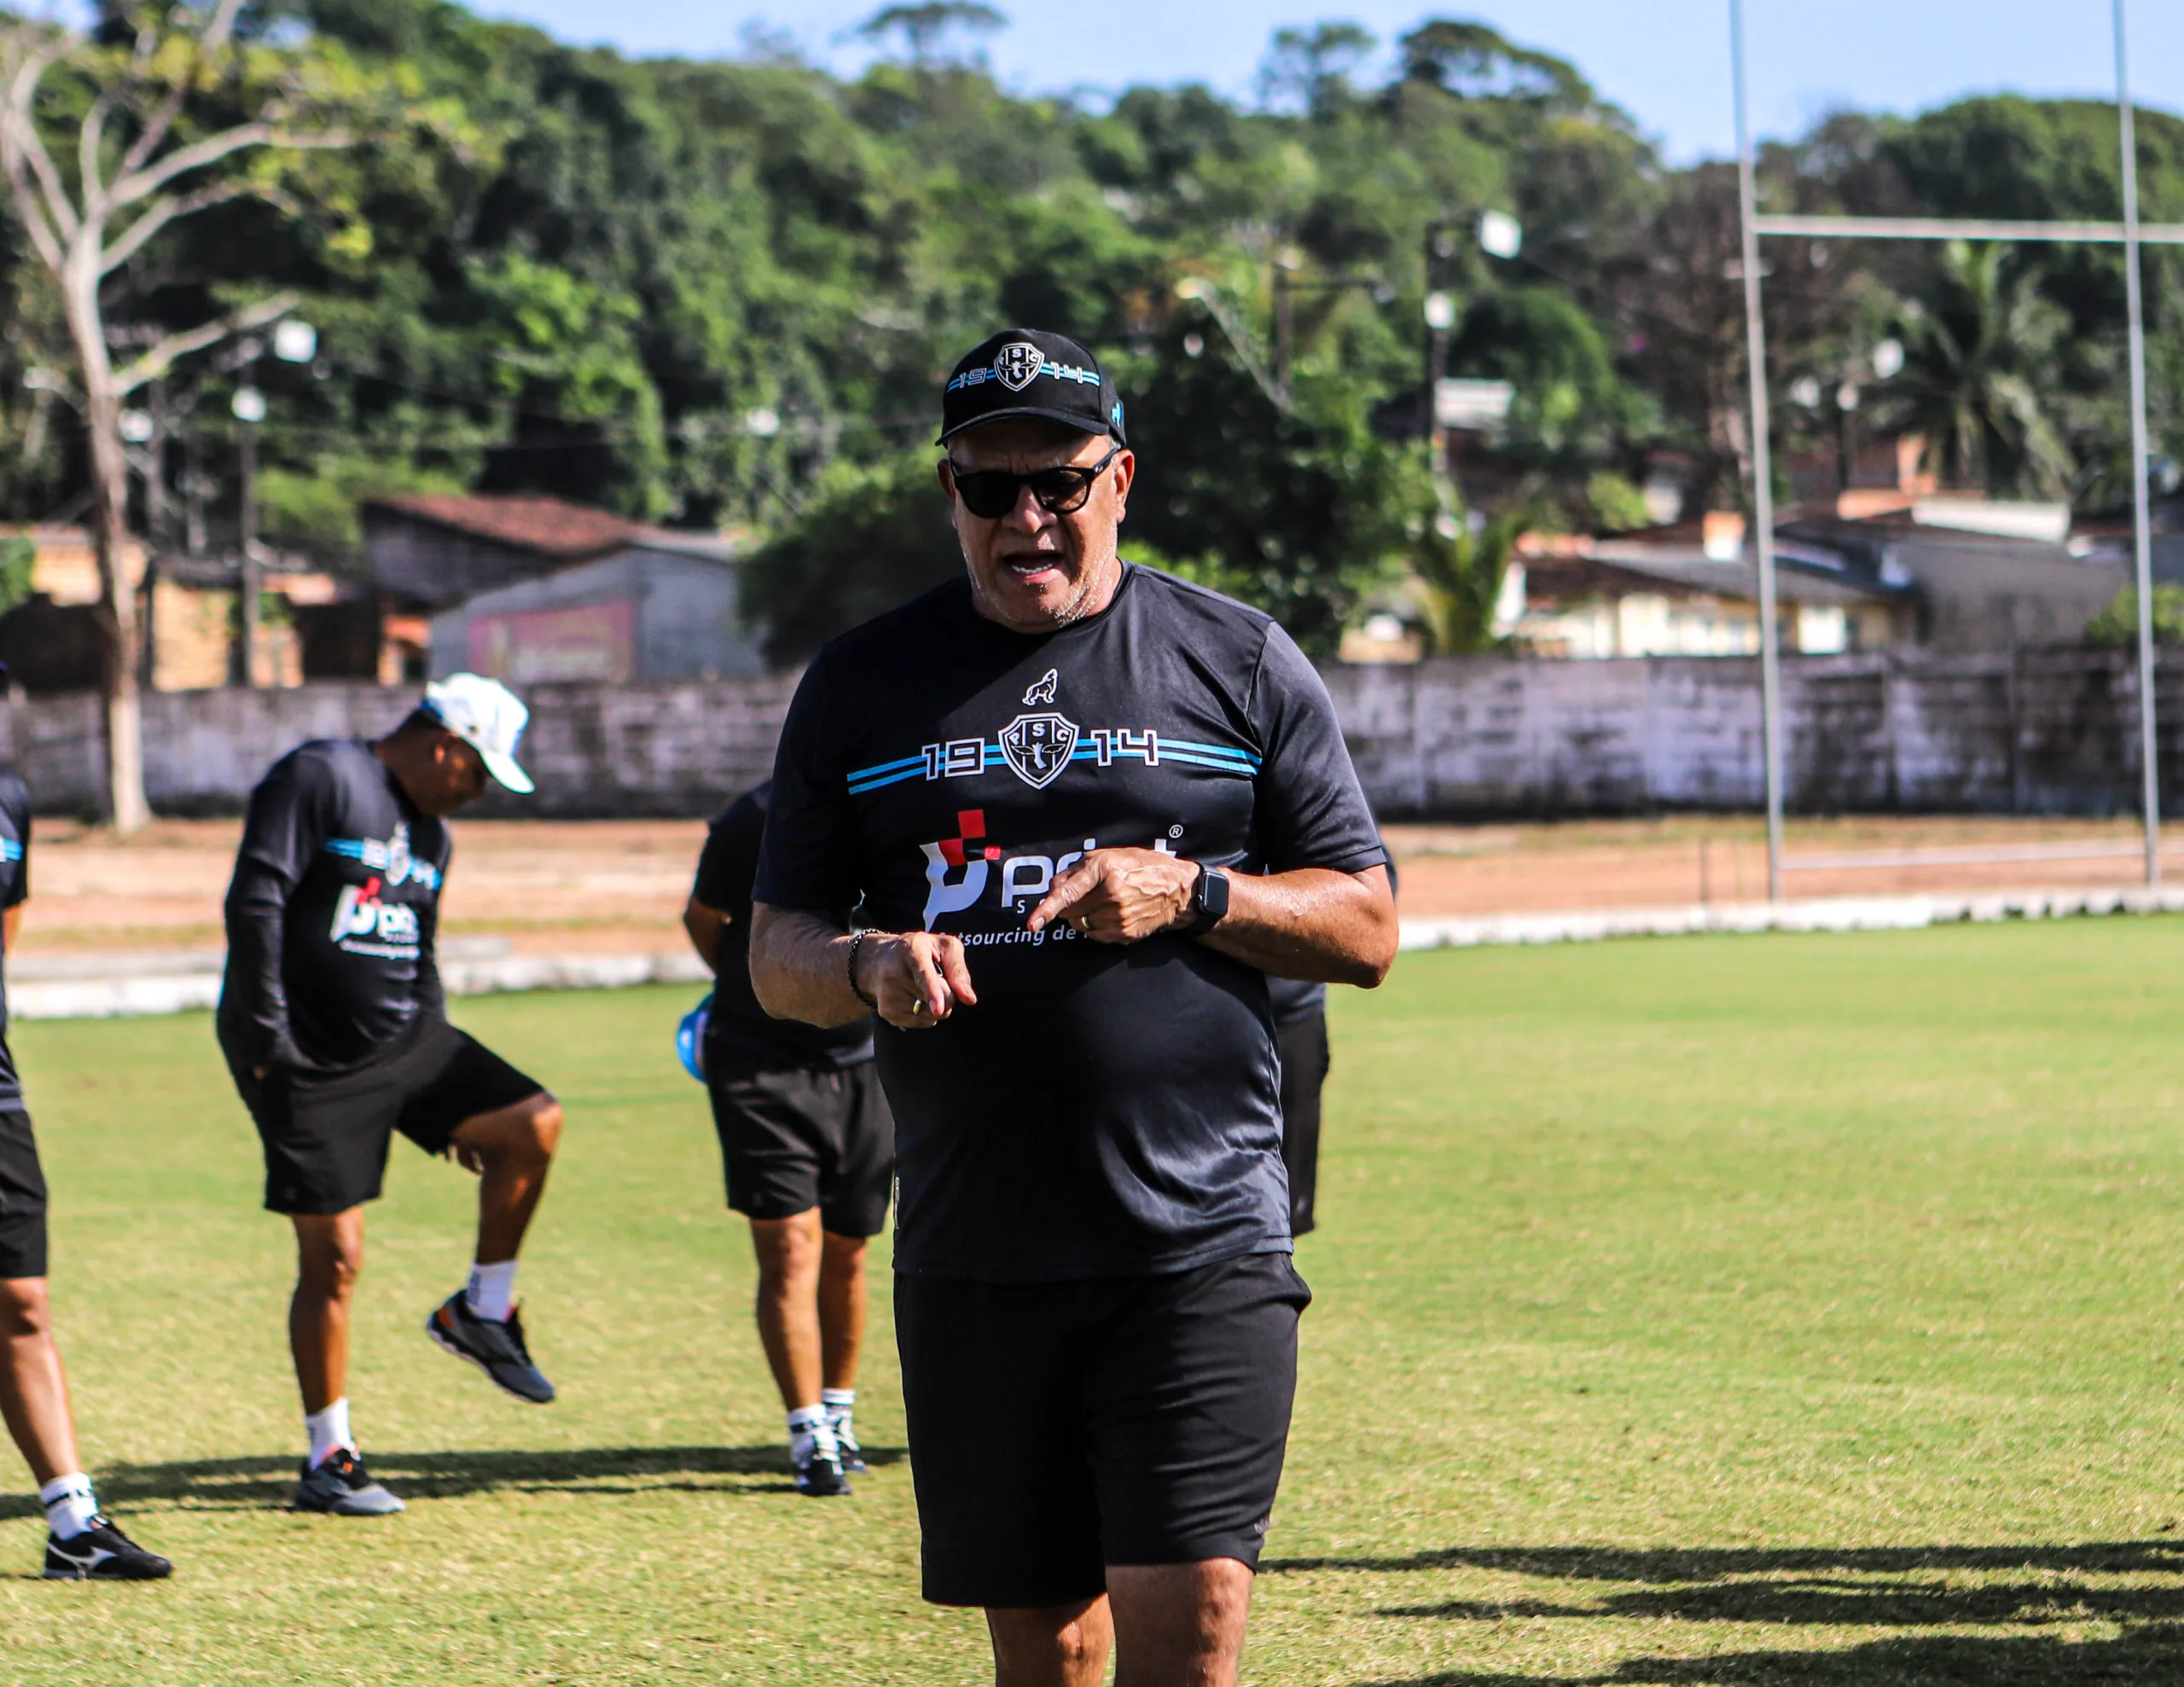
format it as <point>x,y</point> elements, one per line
<point>841,1407</point>
<point>810,1431</point>
<point>491,1294</point>
<point>70,1505</point>
<point>329,1431</point>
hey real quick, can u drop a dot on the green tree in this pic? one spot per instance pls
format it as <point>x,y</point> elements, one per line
<point>1974,348</point>
<point>872,537</point>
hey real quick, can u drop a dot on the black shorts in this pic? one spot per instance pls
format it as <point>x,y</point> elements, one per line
<point>1059,1428</point>
<point>793,1141</point>
<point>1304,1062</point>
<point>326,1135</point>
<point>22,1197</point>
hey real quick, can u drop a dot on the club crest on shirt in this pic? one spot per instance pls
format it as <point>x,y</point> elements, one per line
<point>397,853</point>
<point>1038,747</point>
<point>1018,364</point>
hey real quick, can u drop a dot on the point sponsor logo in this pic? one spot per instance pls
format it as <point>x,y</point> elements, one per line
<point>361,912</point>
<point>1025,879</point>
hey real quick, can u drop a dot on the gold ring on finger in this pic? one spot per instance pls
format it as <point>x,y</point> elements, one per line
<point>918,1006</point>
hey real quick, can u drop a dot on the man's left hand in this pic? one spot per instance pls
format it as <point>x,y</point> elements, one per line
<point>1120,895</point>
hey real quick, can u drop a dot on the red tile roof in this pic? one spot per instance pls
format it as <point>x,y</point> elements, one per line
<point>550,526</point>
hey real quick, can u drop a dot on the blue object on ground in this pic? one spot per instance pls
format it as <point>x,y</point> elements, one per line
<point>690,1038</point>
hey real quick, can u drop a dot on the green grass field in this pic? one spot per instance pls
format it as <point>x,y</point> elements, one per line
<point>1743,1310</point>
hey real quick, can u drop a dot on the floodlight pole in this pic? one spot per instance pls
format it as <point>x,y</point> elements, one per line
<point>2142,511</point>
<point>1762,470</point>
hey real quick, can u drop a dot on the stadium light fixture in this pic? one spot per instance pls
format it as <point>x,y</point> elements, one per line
<point>294,341</point>
<point>1499,234</point>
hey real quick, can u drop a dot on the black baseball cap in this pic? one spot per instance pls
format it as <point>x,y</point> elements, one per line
<point>1023,372</point>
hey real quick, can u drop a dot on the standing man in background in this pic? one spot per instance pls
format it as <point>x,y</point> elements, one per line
<point>1300,1033</point>
<point>808,1146</point>
<point>336,1030</point>
<point>81,1542</point>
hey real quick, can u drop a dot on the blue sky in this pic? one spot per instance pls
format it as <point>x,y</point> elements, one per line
<point>1664,60</point>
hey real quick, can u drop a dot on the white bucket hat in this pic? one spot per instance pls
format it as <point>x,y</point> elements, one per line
<point>486,715</point>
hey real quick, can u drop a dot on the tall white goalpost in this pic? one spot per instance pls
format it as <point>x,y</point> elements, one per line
<point>2131,234</point>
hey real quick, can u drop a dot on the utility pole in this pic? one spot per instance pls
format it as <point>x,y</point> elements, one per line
<point>193,491</point>
<point>249,409</point>
<point>1285,322</point>
<point>2141,512</point>
<point>1762,470</point>
<point>1440,317</point>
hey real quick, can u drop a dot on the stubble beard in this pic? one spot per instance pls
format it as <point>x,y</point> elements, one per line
<point>1070,613</point>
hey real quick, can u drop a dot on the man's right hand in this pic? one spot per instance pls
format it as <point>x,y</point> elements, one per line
<point>918,978</point>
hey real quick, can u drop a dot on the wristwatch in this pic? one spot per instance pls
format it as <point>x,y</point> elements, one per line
<point>1209,902</point>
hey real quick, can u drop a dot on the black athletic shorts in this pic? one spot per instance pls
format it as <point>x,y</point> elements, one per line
<point>22,1197</point>
<point>1059,1428</point>
<point>1304,1061</point>
<point>791,1140</point>
<point>326,1134</point>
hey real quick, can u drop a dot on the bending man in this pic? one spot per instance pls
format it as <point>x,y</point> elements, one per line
<point>336,1030</point>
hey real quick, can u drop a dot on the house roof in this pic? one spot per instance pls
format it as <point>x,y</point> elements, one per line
<point>552,527</point>
<point>1618,567</point>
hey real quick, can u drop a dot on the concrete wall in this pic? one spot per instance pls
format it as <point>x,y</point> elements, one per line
<point>2049,731</point>
<point>638,750</point>
<point>2046,732</point>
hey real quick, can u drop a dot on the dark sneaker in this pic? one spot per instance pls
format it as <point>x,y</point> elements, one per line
<point>102,1553</point>
<point>845,1439</point>
<point>340,1485</point>
<point>819,1472</point>
<point>496,1349</point>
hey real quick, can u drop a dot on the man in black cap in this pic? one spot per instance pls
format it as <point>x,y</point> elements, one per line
<point>1086,808</point>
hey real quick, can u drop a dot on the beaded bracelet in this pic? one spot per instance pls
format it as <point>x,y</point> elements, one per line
<point>849,966</point>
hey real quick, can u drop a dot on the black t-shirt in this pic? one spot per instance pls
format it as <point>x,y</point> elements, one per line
<point>15,887</point>
<point>741,1036</point>
<point>1106,1110</point>
<point>332,913</point>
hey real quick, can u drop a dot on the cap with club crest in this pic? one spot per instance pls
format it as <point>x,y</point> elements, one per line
<point>486,715</point>
<point>1026,371</point>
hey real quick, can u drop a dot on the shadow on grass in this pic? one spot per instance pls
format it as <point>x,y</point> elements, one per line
<point>237,1484</point>
<point>1846,1588</point>
<point>2152,1655</point>
<point>1693,1564</point>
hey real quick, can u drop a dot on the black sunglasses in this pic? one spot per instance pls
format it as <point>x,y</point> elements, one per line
<point>990,494</point>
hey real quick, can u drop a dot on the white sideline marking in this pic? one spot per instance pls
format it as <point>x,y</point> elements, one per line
<point>195,990</point>
<point>142,992</point>
<point>1821,914</point>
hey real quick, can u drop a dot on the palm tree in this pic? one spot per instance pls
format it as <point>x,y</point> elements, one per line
<point>1974,350</point>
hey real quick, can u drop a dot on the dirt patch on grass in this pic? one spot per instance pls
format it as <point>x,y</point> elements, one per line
<point>620,885</point>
